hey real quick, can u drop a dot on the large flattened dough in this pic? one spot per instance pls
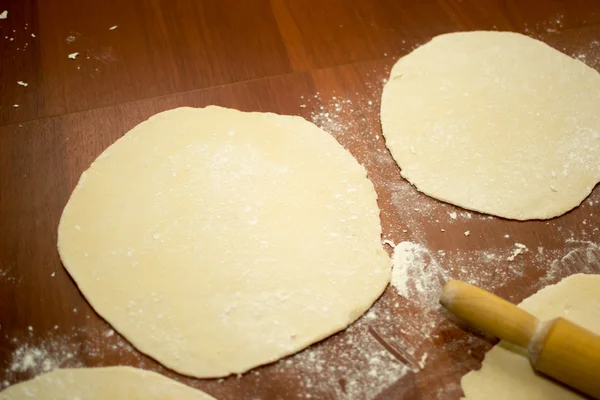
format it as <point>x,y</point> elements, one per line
<point>114,383</point>
<point>495,122</point>
<point>216,240</point>
<point>506,373</point>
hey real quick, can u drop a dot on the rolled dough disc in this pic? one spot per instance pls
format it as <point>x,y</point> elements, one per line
<point>216,240</point>
<point>114,383</point>
<point>495,122</point>
<point>506,372</point>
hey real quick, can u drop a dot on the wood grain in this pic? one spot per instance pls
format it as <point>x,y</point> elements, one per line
<point>284,56</point>
<point>158,48</point>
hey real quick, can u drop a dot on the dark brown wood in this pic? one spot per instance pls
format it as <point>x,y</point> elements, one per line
<point>296,57</point>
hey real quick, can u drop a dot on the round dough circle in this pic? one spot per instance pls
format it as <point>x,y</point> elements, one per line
<point>114,383</point>
<point>217,240</point>
<point>495,122</point>
<point>506,372</point>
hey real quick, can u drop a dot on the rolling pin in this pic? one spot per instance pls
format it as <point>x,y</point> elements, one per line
<point>557,348</point>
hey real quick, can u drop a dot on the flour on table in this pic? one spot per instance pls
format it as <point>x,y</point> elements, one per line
<point>416,274</point>
<point>520,248</point>
<point>40,352</point>
<point>345,116</point>
<point>44,357</point>
<point>363,370</point>
<point>584,258</point>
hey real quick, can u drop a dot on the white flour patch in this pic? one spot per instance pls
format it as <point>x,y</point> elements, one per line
<point>6,276</point>
<point>403,198</point>
<point>361,371</point>
<point>551,25</point>
<point>344,116</point>
<point>585,258</point>
<point>37,353</point>
<point>416,274</point>
<point>419,212</point>
<point>590,54</point>
<point>520,248</point>
<point>418,278</point>
<point>35,360</point>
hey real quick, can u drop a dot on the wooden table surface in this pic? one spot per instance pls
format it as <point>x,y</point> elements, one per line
<point>325,60</point>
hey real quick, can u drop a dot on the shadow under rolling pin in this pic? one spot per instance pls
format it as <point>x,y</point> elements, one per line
<point>557,348</point>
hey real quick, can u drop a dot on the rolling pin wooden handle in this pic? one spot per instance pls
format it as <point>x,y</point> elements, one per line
<point>569,354</point>
<point>488,312</point>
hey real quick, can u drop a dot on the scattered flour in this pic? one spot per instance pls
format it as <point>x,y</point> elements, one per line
<point>416,274</point>
<point>345,116</point>
<point>589,54</point>
<point>356,366</point>
<point>38,353</point>
<point>358,363</point>
<point>551,25</point>
<point>46,357</point>
<point>584,258</point>
<point>520,248</point>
